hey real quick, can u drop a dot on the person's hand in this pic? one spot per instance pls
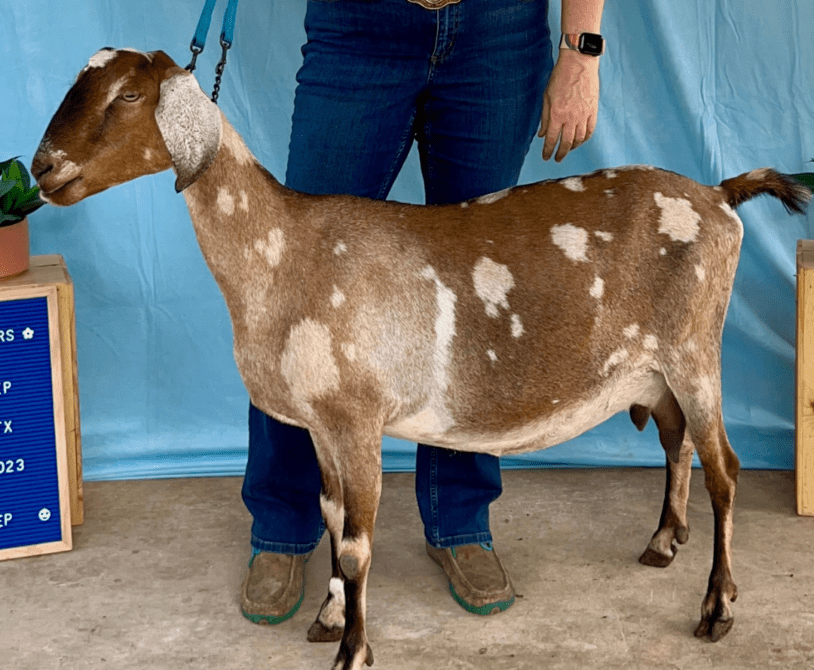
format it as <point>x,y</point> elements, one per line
<point>570,103</point>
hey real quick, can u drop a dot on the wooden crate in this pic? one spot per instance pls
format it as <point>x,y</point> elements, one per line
<point>51,271</point>
<point>804,414</point>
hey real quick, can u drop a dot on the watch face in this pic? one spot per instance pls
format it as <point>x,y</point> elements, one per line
<point>590,43</point>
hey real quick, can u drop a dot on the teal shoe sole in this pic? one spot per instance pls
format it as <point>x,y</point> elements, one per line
<point>483,610</point>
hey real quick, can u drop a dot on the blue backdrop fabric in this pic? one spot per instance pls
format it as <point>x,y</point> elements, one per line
<point>707,89</point>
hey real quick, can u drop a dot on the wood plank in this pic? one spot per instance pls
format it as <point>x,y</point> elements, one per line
<point>804,419</point>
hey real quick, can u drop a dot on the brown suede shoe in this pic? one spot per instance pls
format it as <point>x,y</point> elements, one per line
<point>477,579</point>
<point>274,587</point>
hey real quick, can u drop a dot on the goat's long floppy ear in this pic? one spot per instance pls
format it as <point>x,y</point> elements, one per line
<point>190,124</point>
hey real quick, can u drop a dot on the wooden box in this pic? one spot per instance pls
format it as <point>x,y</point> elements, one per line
<point>804,413</point>
<point>48,279</point>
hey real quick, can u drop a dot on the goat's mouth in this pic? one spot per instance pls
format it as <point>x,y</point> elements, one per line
<point>68,193</point>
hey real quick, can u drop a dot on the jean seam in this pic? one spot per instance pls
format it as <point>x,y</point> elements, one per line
<point>434,494</point>
<point>459,540</point>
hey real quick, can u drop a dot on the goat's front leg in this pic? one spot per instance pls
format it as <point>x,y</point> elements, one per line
<point>673,526</point>
<point>350,461</point>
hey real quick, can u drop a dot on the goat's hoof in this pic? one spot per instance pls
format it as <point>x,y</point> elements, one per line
<point>344,661</point>
<point>682,534</point>
<point>656,559</point>
<point>714,627</point>
<point>320,633</point>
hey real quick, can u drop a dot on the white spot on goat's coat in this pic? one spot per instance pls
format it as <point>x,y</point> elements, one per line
<point>492,355</point>
<point>700,272</point>
<point>678,219</point>
<point>617,357</point>
<point>307,363</point>
<point>517,326</point>
<point>631,331</point>
<point>598,288</point>
<point>572,240</point>
<point>340,248</point>
<point>244,201</point>
<point>226,202</point>
<point>492,282</point>
<point>573,184</point>
<point>489,198</point>
<point>337,297</point>
<point>651,343</point>
<point>272,248</point>
<point>604,236</point>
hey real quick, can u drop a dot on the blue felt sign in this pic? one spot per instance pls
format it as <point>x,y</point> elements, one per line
<point>29,481</point>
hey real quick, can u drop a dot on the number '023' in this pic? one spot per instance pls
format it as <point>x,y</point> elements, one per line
<point>11,466</point>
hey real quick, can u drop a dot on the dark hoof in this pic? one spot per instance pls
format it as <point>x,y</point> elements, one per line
<point>350,566</point>
<point>656,560</point>
<point>682,534</point>
<point>344,660</point>
<point>714,630</point>
<point>319,633</point>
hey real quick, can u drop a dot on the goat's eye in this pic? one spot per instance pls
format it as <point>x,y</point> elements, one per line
<point>130,96</point>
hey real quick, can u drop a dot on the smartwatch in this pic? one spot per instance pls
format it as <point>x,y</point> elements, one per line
<point>589,44</point>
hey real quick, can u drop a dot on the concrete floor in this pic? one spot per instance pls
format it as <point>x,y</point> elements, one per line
<point>153,580</point>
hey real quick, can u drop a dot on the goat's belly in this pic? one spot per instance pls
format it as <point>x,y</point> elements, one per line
<point>558,424</point>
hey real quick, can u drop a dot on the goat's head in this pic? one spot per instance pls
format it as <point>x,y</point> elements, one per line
<point>128,114</point>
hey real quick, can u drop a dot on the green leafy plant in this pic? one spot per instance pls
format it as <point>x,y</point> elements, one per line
<point>17,197</point>
<point>806,178</point>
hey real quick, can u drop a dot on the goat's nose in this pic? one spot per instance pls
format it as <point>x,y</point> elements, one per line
<point>41,165</point>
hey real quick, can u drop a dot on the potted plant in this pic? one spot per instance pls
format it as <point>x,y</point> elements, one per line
<point>18,198</point>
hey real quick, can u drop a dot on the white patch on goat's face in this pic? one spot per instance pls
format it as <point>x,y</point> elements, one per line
<point>700,272</point>
<point>67,170</point>
<point>272,248</point>
<point>244,201</point>
<point>337,297</point>
<point>492,282</point>
<point>610,174</point>
<point>631,331</point>
<point>573,184</point>
<point>226,202</point>
<point>604,236</point>
<point>517,326</point>
<point>598,288</point>
<point>101,58</point>
<point>678,219</point>
<point>340,248</point>
<point>617,357</point>
<point>572,240</point>
<point>307,363</point>
<point>489,198</point>
<point>492,355</point>
<point>650,343</point>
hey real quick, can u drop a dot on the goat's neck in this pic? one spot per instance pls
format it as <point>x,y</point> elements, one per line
<point>233,204</point>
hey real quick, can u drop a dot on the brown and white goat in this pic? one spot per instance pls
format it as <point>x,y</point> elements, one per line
<point>504,324</point>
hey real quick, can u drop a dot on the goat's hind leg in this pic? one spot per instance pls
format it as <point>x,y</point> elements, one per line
<point>701,403</point>
<point>351,475</point>
<point>678,448</point>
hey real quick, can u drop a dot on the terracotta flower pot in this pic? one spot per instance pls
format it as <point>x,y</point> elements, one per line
<point>14,249</point>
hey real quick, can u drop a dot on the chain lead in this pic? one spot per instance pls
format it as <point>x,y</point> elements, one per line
<point>219,71</point>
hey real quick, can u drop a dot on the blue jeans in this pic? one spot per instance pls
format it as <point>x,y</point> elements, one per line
<point>466,82</point>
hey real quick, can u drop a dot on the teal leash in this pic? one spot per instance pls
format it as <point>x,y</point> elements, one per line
<point>226,38</point>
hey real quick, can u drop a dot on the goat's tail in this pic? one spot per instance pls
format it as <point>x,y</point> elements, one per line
<point>794,195</point>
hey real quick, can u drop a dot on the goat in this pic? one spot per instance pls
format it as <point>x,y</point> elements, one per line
<point>504,324</point>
